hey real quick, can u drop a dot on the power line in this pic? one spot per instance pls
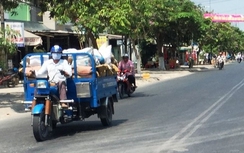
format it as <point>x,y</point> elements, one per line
<point>213,1</point>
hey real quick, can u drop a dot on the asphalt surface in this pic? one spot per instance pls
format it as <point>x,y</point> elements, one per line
<point>200,113</point>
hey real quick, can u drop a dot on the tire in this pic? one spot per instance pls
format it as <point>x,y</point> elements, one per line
<point>128,93</point>
<point>221,66</point>
<point>16,80</point>
<point>121,90</point>
<point>11,83</point>
<point>107,121</point>
<point>54,124</point>
<point>40,131</point>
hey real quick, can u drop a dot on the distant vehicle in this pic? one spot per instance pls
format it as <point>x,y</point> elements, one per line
<point>122,81</point>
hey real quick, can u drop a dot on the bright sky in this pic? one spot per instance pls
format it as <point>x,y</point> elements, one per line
<point>224,7</point>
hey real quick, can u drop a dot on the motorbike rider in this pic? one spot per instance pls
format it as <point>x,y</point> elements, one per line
<point>220,58</point>
<point>239,57</point>
<point>126,64</point>
<point>58,70</point>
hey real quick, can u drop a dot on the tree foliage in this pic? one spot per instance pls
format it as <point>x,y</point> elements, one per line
<point>6,43</point>
<point>9,5</point>
<point>176,22</point>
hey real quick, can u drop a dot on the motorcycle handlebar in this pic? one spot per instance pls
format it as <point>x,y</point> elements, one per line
<point>124,71</point>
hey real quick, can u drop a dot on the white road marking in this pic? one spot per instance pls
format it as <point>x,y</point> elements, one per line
<point>172,144</point>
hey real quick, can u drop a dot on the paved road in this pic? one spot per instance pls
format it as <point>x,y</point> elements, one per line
<point>200,113</point>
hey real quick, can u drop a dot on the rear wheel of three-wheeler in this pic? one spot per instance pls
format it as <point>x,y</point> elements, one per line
<point>40,131</point>
<point>107,120</point>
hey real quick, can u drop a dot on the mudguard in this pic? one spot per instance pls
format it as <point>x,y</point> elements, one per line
<point>37,109</point>
<point>102,113</point>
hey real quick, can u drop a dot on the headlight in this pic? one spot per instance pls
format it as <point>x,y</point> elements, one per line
<point>121,77</point>
<point>41,84</point>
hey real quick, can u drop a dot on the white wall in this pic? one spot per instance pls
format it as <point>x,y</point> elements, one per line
<point>50,23</point>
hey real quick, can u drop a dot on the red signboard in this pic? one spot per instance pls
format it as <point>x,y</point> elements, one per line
<point>225,17</point>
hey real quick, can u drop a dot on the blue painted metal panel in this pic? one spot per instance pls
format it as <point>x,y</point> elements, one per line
<point>107,86</point>
<point>37,109</point>
<point>54,90</point>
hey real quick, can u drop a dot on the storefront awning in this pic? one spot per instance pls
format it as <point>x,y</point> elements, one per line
<point>35,27</point>
<point>32,39</point>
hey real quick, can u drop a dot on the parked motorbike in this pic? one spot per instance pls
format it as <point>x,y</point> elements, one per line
<point>122,81</point>
<point>11,77</point>
<point>190,62</point>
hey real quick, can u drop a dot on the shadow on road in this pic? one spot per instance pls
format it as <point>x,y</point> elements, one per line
<point>142,94</point>
<point>12,100</point>
<point>82,127</point>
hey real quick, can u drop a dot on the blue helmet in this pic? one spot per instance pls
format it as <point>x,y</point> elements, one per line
<point>56,49</point>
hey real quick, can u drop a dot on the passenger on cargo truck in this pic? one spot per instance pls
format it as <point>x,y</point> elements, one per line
<point>58,70</point>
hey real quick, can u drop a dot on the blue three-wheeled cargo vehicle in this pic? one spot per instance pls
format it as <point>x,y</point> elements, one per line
<point>86,95</point>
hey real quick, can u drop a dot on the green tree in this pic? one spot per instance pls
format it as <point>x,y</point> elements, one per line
<point>7,46</point>
<point>91,15</point>
<point>222,37</point>
<point>133,20</point>
<point>9,5</point>
<point>175,22</point>
<point>120,17</point>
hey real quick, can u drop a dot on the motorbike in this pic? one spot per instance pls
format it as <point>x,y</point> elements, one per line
<point>220,64</point>
<point>239,60</point>
<point>10,78</point>
<point>122,81</point>
<point>190,62</point>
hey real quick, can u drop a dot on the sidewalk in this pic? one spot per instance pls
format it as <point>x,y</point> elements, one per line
<point>18,88</point>
<point>157,75</point>
<point>11,101</point>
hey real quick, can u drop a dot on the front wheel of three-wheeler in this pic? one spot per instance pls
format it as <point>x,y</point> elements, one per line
<point>107,120</point>
<point>40,131</point>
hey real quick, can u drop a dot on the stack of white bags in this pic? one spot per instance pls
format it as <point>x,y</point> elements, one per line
<point>101,56</point>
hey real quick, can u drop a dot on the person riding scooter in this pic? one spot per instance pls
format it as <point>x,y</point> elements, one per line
<point>58,70</point>
<point>239,58</point>
<point>220,60</point>
<point>126,64</point>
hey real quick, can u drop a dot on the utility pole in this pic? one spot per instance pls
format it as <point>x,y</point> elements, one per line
<point>210,6</point>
